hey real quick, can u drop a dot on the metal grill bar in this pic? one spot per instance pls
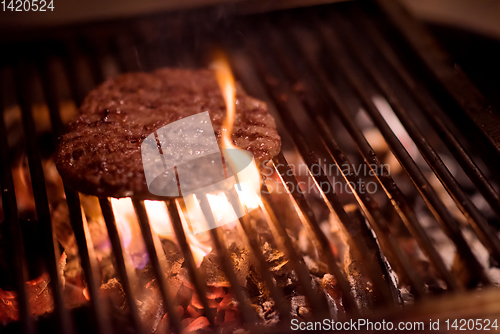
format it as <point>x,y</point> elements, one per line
<point>51,249</point>
<point>88,260</point>
<point>82,237</point>
<point>11,227</point>
<point>309,221</point>
<point>118,252</point>
<point>316,302</point>
<point>156,263</point>
<point>475,218</point>
<point>57,126</point>
<point>453,81</point>
<point>329,95</point>
<point>450,225</point>
<point>377,221</point>
<point>247,314</point>
<point>199,285</point>
<point>263,267</point>
<point>376,273</point>
<point>437,119</point>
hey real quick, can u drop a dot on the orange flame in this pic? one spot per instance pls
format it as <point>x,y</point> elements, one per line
<point>162,225</point>
<point>249,177</point>
<point>225,79</point>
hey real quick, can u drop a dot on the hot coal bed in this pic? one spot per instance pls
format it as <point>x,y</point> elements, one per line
<point>380,206</point>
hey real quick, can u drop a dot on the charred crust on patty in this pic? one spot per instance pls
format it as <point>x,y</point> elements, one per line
<point>101,152</point>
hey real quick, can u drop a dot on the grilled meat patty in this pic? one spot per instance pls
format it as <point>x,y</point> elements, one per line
<point>101,153</point>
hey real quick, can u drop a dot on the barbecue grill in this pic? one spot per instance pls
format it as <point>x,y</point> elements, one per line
<point>360,86</point>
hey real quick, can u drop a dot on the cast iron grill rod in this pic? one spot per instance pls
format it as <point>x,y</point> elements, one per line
<point>72,61</point>
<point>85,248</point>
<point>450,225</point>
<point>118,252</point>
<point>263,267</point>
<point>122,48</point>
<point>366,202</point>
<point>50,248</point>
<point>333,203</point>
<point>154,258</point>
<point>243,76</point>
<point>336,208</point>
<point>311,224</point>
<point>10,227</point>
<point>248,315</point>
<point>435,115</point>
<point>88,260</point>
<point>331,97</point>
<point>453,81</point>
<point>297,262</point>
<point>469,210</point>
<point>51,99</point>
<point>316,301</point>
<point>375,218</point>
<point>198,283</point>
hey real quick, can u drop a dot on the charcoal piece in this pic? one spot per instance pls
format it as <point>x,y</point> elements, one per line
<point>174,257</point>
<point>113,290</point>
<point>333,294</point>
<point>213,273</point>
<point>268,313</point>
<point>276,259</point>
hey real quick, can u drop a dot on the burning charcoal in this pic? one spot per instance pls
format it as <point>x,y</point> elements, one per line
<point>113,290</point>
<point>62,228</point>
<point>212,303</point>
<point>194,312</point>
<point>173,256</point>
<point>316,267</point>
<point>362,287</point>
<point>268,313</point>
<point>333,294</point>
<point>164,323</point>
<point>305,244</point>
<point>33,247</point>
<point>150,307</point>
<point>299,306</point>
<point>40,299</point>
<point>214,275</point>
<point>196,324</point>
<point>95,222</point>
<point>39,295</point>
<point>231,314</point>
<point>275,258</point>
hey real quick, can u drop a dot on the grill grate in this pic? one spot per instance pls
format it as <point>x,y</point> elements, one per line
<point>316,68</point>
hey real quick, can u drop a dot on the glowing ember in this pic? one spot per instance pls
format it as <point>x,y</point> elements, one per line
<point>86,294</point>
<point>22,187</point>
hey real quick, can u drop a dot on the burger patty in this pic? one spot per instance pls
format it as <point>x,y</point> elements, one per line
<point>101,153</point>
